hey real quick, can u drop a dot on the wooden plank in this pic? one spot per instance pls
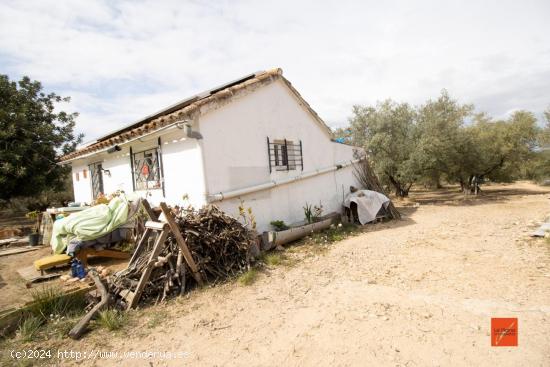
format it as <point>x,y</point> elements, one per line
<point>19,250</point>
<point>77,331</point>
<point>157,226</point>
<point>31,275</point>
<point>140,246</point>
<point>159,244</point>
<point>181,242</point>
<point>149,210</point>
<point>85,253</point>
<point>10,318</point>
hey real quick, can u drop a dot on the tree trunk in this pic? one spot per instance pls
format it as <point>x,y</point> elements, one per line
<point>399,189</point>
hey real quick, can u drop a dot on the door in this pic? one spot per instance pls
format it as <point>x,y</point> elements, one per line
<point>96,173</point>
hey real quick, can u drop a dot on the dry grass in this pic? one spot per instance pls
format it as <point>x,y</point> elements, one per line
<point>112,319</point>
<point>29,328</point>
<point>49,302</point>
<point>249,277</point>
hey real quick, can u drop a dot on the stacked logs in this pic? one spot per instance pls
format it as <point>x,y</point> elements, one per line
<point>219,245</point>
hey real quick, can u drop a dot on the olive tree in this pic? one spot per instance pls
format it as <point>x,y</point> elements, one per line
<point>387,133</point>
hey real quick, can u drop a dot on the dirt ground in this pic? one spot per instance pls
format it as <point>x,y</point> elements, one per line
<point>415,292</point>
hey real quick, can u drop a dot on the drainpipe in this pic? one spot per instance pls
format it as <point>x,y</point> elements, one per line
<point>268,185</point>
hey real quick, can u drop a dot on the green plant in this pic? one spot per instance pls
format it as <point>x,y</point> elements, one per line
<point>248,277</point>
<point>59,326</point>
<point>279,225</point>
<point>34,215</point>
<point>35,133</point>
<point>29,328</point>
<point>273,259</point>
<point>334,233</point>
<point>313,212</point>
<point>308,213</point>
<point>112,319</point>
<point>248,218</point>
<point>52,301</point>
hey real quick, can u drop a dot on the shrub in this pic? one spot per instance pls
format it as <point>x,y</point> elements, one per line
<point>112,319</point>
<point>334,233</point>
<point>248,277</point>
<point>273,259</point>
<point>279,225</point>
<point>51,301</point>
<point>29,328</point>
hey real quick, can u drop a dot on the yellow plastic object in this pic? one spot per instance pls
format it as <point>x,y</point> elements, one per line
<point>51,261</point>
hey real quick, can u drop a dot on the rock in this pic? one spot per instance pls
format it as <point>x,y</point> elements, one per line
<point>73,280</point>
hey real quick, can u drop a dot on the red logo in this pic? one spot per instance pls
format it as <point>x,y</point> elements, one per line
<point>504,332</point>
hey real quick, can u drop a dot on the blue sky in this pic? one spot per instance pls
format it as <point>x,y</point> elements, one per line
<point>123,60</point>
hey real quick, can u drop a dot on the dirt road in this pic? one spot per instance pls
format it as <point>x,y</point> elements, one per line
<point>418,292</point>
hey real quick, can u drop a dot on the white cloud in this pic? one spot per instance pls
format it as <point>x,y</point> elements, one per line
<point>124,60</point>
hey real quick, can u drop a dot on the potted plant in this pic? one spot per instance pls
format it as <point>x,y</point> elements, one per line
<point>34,236</point>
<point>279,225</point>
<point>313,213</point>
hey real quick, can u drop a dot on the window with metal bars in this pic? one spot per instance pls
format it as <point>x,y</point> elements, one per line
<point>146,166</point>
<point>284,155</point>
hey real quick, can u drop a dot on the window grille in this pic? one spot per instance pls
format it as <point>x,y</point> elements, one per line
<point>97,179</point>
<point>284,155</point>
<point>147,170</point>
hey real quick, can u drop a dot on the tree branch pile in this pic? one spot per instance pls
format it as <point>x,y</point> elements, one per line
<point>218,243</point>
<point>366,176</point>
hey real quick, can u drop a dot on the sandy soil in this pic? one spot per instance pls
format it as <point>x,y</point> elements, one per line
<point>14,288</point>
<point>415,292</point>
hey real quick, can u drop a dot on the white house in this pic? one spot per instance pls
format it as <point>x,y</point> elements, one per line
<point>254,140</point>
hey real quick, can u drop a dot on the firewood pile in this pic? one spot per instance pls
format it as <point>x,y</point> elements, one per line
<point>366,176</point>
<point>218,243</point>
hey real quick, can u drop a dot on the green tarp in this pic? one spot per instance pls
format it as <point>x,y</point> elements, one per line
<point>90,224</point>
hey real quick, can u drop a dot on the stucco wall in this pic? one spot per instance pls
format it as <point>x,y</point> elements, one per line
<point>182,167</point>
<point>236,156</point>
<point>82,187</point>
<point>183,170</point>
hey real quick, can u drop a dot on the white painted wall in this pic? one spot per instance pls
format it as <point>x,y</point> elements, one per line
<point>183,170</point>
<point>182,167</point>
<point>83,187</point>
<point>235,155</point>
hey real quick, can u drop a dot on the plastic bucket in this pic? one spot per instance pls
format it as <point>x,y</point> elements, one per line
<point>33,239</point>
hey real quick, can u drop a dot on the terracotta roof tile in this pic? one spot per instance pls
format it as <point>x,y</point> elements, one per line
<point>188,108</point>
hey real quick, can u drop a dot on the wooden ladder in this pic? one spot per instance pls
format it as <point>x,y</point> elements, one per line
<point>163,230</point>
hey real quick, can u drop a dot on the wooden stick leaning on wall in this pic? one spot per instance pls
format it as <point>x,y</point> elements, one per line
<point>181,242</point>
<point>366,176</point>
